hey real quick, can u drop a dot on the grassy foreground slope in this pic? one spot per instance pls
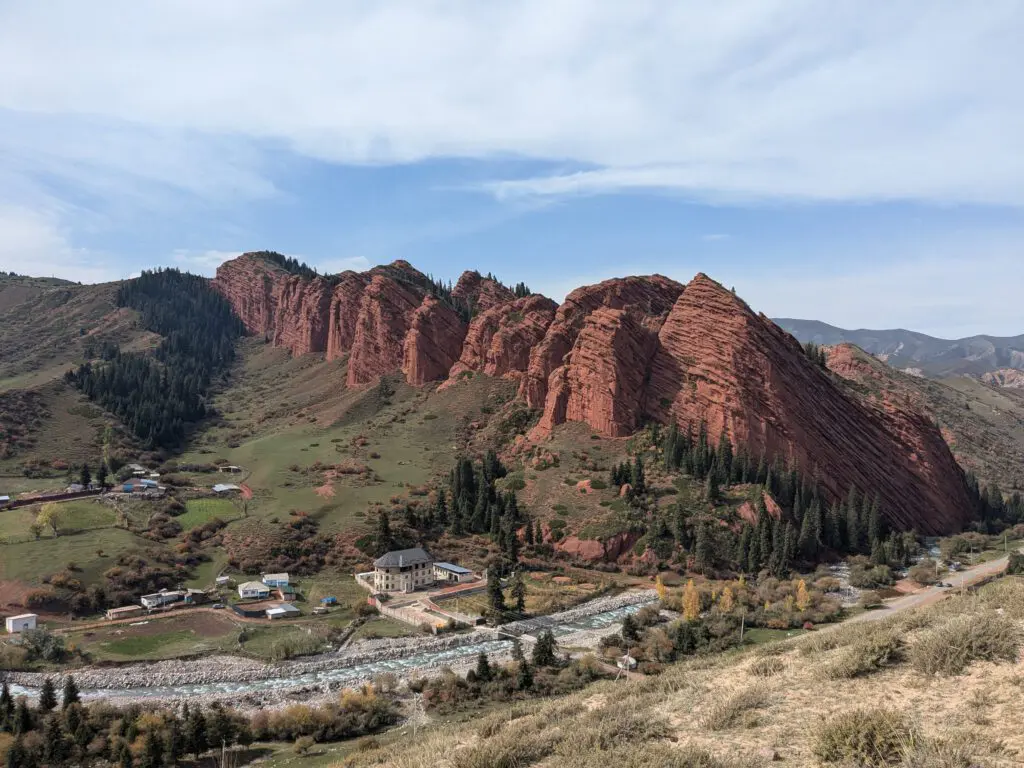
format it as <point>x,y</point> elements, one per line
<point>936,687</point>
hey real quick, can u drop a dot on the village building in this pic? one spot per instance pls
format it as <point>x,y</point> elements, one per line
<point>21,623</point>
<point>403,570</point>
<point>275,579</point>
<point>124,613</point>
<point>4,499</point>
<point>253,590</point>
<point>230,468</point>
<point>454,574</point>
<point>225,488</point>
<point>162,598</point>
<point>283,611</point>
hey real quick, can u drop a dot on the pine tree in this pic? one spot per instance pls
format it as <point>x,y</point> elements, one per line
<point>743,547</point>
<point>519,592</point>
<point>22,717</point>
<point>875,530</point>
<point>483,667</point>
<point>544,650</point>
<point>524,680</point>
<point>383,538</point>
<point>495,596</point>
<point>125,757</point>
<point>195,733</point>
<point>85,476</point>
<point>711,490</point>
<point>152,751</point>
<point>16,757</point>
<point>47,696</point>
<point>637,479</point>
<point>6,708</point>
<point>704,550</point>
<point>528,534</point>
<point>691,602</point>
<point>538,535</point>
<point>70,693</point>
<point>441,512</point>
<point>101,475</point>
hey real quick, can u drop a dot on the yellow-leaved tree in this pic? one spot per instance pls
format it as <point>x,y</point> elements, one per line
<point>691,601</point>
<point>803,597</point>
<point>50,517</point>
<point>659,586</point>
<point>726,603</point>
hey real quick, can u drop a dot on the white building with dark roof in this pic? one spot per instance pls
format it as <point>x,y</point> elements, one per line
<point>404,570</point>
<point>451,573</point>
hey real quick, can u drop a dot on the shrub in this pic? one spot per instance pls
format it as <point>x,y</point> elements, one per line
<point>874,652</point>
<point>768,666</point>
<point>303,744</point>
<point>1015,565</point>
<point>737,708</point>
<point>864,737</point>
<point>951,647</point>
<point>598,485</point>
<point>924,573</point>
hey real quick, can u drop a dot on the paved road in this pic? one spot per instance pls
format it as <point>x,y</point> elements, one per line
<point>960,580</point>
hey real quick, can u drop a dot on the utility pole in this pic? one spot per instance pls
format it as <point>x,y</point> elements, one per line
<point>743,621</point>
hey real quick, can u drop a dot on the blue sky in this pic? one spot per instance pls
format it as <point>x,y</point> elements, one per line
<point>862,167</point>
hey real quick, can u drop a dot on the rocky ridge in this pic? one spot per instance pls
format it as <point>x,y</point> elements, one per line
<point>614,355</point>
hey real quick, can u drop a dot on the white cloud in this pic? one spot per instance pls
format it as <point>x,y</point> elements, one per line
<point>31,243</point>
<point>202,262</point>
<point>334,266</point>
<point>756,99</point>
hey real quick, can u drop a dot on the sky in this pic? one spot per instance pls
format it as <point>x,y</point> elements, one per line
<point>854,161</point>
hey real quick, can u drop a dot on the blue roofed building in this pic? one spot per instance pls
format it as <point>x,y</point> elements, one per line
<point>454,574</point>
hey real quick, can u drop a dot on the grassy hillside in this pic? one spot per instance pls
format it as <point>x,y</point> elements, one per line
<point>935,687</point>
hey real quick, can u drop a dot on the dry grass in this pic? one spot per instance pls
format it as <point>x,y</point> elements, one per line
<point>949,648</point>
<point>728,711</point>
<point>869,654</point>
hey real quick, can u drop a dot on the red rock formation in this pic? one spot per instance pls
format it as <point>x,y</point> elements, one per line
<point>500,339</point>
<point>481,293</point>
<point>607,550</point>
<point>433,342</point>
<point>720,363</point>
<point>653,295</point>
<point>251,285</point>
<point>602,382</point>
<point>385,316</point>
<point>344,313</point>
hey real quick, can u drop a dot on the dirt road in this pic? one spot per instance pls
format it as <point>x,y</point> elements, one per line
<point>959,581</point>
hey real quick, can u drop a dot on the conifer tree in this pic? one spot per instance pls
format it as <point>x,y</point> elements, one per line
<point>544,650</point>
<point>524,679</point>
<point>70,694</point>
<point>495,596</point>
<point>711,490</point>
<point>637,479</point>
<point>519,592</point>
<point>383,538</point>
<point>6,708</point>
<point>875,531</point>
<point>630,631</point>
<point>483,667</point>
<point>691,602</point>
<point>528,534</point>
<point>47,696</point>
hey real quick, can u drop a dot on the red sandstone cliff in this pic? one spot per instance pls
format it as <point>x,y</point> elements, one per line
<point>343,314</point>
<point>499,340</point>
<point>481,293</point>
<point>385,317</point>
<point>433,342</point>
<point>718,362</point>
<point>653,295</point>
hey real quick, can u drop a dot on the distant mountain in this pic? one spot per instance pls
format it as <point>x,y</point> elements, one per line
<point>918,352</point>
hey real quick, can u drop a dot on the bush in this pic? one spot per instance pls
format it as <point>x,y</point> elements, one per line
<point>864,737</point>
<point>874,652</point>
<point>767,666</point>
<point>737,708</point>
<point>951,647</point>
<point>1015,565</point>
<point>303,744</point>
<point>924,573</point>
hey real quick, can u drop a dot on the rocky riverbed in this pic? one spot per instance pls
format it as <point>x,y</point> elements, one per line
<point>254,684</point>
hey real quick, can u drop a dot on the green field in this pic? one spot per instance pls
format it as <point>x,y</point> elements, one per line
<point>201,511</point>
<point>380,626</point>
<point>75,516</point>
<point>30,561</point>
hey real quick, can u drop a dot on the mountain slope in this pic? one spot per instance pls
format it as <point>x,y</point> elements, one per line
<point>903,349</point>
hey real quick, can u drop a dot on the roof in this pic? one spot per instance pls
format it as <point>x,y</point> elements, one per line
<point>403,557</point>
<point>283,608</point>
<point>453,568</point>
<point>222,487</point>
<point>24,616</point>
<point>276,576</point>
<point>254,585</point>
<point>5,498</point>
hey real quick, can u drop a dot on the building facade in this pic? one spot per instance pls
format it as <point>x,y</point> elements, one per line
<point>404,570</point>
<point>453,574</point>
<point>22,623</point>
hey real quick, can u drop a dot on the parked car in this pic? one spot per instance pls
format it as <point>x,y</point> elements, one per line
<point>218,605</point>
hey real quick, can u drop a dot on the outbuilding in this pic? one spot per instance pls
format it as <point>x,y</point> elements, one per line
<point>222,488</point>
<point>452,573</point>
<point>275,579</point>
<point>25,621</point>
<point>125,612</point>
<point>4,499</point>
<point>283,611</point>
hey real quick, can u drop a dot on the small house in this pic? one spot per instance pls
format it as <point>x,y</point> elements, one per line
<point>4,499</point>
<point>154,475</point>
<point>223,488</point>
<point>230,468</point>
<point>283,611</point>
<point>253,590</point>
<point>452,573</point>
<point>138,470</point>
<point>275,579</point>
<point>75,488</point>
<point>124,613</point>
<point>162,598</point>
<point>22,623</point>
<point>222,580</point>
<point>403,570</point>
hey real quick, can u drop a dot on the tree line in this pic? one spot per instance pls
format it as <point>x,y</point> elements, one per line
<point>159,396</point>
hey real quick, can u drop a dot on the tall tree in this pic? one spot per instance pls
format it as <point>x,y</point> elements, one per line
<point>70,693</point>
<point>544,650</point>
<point>47,696</point>
<point>85,476</point>
<point>519,591</point>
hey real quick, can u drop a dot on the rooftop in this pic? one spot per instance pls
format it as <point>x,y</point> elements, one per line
<point>254,585</point>
<point>452,568</point>
<point>403,557</point>
<point>224,487</point>
<point>24,616</point>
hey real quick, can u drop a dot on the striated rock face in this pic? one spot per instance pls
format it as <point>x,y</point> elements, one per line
<point>499,340</point>
<point>718,362</point>
<point>385,317</point>
<point>602,382</point>
<point>253,287</point>
<point>653,295</point>
<point>481,292</point>
<point>343,313</point>
<point>433,342</point>
<point>1011,378</point>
